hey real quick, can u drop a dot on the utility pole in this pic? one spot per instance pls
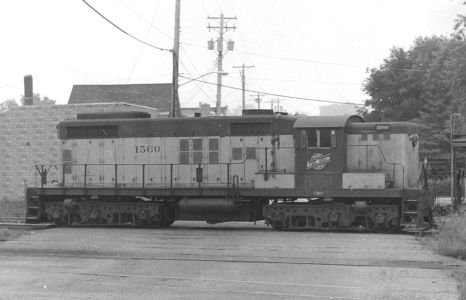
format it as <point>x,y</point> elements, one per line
<point>278,104</point>
<point>258,99</point>
<point>222,28</point>
<point>243,81</point>
<point>175,110</point>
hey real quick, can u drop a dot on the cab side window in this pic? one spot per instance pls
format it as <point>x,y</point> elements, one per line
<point>312,138</point>
<point>321,138</point>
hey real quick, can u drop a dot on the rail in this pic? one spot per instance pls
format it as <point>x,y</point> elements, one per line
<point>394,164</point>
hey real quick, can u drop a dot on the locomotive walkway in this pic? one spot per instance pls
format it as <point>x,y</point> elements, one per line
<point>226,261</point>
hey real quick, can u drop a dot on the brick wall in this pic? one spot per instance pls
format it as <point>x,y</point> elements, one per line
<point>28,137</point>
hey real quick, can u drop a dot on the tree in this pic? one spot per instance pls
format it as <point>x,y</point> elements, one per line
<point>459,32</point>
<point>396,87</point>
<point>7,104</point>
<point>37,100</point>
<point>424,84</point>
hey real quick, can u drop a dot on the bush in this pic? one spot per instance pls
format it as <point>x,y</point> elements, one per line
<point>450,236</point>
<point>460,275</point>
<point>442,187</point>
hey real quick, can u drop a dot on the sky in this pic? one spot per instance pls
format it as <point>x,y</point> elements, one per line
<point>302,48</point>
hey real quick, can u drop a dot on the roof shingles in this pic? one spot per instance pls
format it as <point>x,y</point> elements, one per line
<point>151,95</point>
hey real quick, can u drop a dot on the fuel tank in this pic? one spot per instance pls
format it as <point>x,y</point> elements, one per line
<point>207,205</point>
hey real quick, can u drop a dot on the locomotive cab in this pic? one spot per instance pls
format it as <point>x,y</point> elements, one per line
<point>321,151</point>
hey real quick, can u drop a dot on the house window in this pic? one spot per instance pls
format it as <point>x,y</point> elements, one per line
<point>386,136</point>
<point>375,137</point>
<point>364,137</point>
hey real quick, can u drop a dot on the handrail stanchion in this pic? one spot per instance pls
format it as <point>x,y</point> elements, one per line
<point>171,176</point>
<point>116,175</point>
<point>367,158</point>
<point>228,175</point>
<point>63,175</point>
<point>85,176</point>
<point>143,175</point>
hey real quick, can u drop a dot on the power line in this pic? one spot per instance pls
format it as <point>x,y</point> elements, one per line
<point>307,81</point>
<point>120,29</point>
<point>143,19</point>
<point>310,61</point>
<point>277,95</point>
<point>145,38</point>
<point>325,62</point>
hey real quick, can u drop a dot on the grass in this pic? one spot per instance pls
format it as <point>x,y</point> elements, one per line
<point>450,240</point>
<point>460,275</point>
<point>442,186</point>
<point>450,236</point>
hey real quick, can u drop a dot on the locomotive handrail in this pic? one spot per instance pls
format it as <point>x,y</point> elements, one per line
<point>143,166</point>
<point>395,164</point>
<point>66,166</point>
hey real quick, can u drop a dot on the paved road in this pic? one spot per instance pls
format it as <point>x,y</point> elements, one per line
<point>225,261</point>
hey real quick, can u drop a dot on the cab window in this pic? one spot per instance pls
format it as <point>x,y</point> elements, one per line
<point>321,138</point>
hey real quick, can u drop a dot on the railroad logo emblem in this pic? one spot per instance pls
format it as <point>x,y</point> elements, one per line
<point>318,161</point>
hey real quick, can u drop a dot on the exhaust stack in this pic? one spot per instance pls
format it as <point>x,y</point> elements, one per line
<point>28,90</point>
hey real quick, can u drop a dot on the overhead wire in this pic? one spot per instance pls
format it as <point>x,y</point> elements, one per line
<point>200,87</point>
<point>277,95</point>
<point>123,31</point>
<point>145,20</point>
<point>301,60</point>
<point>145,38</point>
<point>307,81</point>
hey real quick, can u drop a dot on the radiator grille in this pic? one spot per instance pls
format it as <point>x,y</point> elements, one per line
<point>250,128</point>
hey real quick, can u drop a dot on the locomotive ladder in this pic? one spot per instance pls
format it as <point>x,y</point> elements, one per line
<point>418,211</point>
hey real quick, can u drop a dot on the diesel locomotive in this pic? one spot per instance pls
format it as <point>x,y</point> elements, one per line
<point>293,172</point>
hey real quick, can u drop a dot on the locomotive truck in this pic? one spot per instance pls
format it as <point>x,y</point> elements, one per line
<point>293,172</point>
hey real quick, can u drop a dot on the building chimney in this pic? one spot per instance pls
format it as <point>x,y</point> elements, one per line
<point>28,90</point>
